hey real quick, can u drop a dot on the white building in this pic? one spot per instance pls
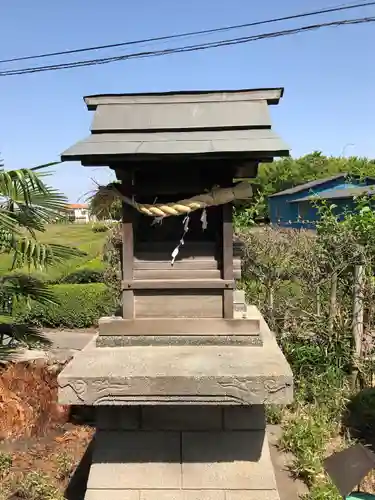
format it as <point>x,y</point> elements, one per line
<point>79,213</point>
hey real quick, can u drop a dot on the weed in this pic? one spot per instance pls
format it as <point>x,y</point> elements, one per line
<point>37,486</point>
<point>65,465</point>
<point>323,490</point>
<point>311,431</point>
<point>5,464</point>
<point>5,491</point>
<point>274,414</point>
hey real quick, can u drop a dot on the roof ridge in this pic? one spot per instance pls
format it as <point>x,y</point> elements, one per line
<point>309,184</point>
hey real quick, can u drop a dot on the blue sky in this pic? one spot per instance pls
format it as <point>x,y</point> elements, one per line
<point>328,75</point>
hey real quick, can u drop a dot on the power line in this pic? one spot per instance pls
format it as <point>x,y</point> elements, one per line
<point>191,33</point>
<point>186,48</point>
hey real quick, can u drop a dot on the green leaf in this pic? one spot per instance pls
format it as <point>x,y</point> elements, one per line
<point>21,334</point>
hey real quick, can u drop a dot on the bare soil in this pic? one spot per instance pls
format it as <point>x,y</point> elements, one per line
<point>43,446</point>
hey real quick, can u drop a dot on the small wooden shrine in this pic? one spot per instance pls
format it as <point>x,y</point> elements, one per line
<point>188,361</point>
<point>165,148</point>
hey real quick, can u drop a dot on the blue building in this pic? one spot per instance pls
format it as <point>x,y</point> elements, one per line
<point>296,207</point>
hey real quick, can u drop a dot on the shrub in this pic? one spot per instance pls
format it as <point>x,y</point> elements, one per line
<point>91,271</point>
<point>359,417</point>
<point>100,228</point>
<point>96,264</point>
<point>79,306</point>
<point>83,276</point>
<point>112,258</point>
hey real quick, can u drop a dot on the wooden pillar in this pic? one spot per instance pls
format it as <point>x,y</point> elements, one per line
<point>227,258</point>
<point>127,260</point>
<point>127,246</point>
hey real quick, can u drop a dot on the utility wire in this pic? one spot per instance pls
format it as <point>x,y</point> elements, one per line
<point>191,33</point>
<point>186,48</point>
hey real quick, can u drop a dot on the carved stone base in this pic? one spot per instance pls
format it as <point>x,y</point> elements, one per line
<point>176,375</point>
<point>179,374</point>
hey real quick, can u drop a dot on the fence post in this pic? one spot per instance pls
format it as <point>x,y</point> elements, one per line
<point>357,325</point>
<point>332,301</point>
<point>317,301</point>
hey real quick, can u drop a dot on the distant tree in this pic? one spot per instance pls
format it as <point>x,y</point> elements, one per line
<point>289,172</point>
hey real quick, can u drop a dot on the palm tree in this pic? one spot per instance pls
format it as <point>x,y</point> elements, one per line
<point>27,206</point>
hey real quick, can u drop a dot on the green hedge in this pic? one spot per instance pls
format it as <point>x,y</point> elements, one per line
<point>100,227</point>
<point>96,264</point>
<point>83,276</point>
<point>80,306</point>
<point>90,272</point>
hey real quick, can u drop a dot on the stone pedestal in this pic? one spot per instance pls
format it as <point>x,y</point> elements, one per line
<point>182,422</point>
<point>178,453</point>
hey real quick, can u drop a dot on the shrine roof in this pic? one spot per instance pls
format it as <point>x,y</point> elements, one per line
<point>180,123</point>
<point>271,95</point>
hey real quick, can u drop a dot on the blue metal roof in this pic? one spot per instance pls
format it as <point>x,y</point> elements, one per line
<point>331,194</point>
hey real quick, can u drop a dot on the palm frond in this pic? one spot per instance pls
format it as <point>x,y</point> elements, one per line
<point>30,252</point>
<point>7,221</point>
<point>16,335</point>
<point>17,184</point>
<point>46,208</point>
<point>24,286</point>
<point>43,166</point>
<point>48,198</point>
